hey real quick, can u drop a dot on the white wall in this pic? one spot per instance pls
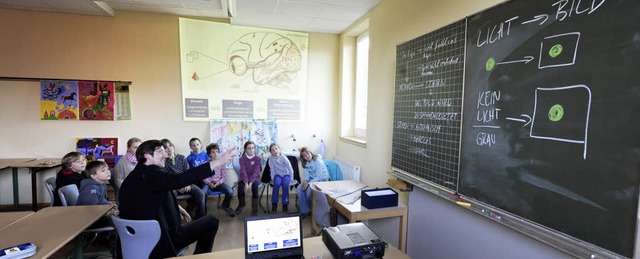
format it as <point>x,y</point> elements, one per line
<point>138,47</point>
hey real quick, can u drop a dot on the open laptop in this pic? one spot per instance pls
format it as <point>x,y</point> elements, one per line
<point>273,236</point>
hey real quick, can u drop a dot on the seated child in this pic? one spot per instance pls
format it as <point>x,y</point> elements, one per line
<point>216,182</point>
<point>93,191</point>
<point>281,174</point>
<point>197,155</point>
<point>72,172</point>
<point>249,177</point>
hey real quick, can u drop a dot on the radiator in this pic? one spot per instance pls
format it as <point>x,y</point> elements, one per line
<point>350,171</point>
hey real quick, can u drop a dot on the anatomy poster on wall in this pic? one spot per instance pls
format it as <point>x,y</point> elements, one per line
<point>58,100</point>
<point>235,72</point>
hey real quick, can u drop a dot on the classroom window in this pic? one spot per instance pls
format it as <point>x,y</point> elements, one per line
<point>361,86</point>
<point>354,84</point>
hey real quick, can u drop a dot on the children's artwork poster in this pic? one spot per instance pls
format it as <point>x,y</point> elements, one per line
<point>97,148</point>
<point>82,100</point>
<point>96,100</point>
<point>234,133</point>
<point>58,100</point>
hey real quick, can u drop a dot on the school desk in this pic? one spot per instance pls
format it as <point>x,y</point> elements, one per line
<point>11,162</point>
<point>313,246</point>
<point>8,218</point>
<point>354,212</point>
<point>51,228</point>
<point>34,167</point>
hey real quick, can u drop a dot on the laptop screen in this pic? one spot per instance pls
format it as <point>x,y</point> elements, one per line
<point>276,235</point>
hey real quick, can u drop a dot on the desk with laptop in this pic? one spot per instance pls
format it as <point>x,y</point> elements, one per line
<point>280,236</point>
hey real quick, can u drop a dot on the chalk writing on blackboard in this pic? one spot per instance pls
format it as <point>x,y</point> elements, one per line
<point>428,103</point>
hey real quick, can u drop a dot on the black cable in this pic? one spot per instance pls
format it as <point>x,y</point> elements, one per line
<point>336,198</point>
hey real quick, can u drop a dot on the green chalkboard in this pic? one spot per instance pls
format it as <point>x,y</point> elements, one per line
<point>428,105</point>
<point>551,121</point>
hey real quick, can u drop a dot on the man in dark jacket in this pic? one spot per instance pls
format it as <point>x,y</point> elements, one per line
<point>146,194</point>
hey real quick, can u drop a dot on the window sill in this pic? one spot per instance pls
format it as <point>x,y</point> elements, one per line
<point>354,140</point>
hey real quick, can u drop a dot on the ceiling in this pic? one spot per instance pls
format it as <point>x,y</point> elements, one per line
<point>326,16</point>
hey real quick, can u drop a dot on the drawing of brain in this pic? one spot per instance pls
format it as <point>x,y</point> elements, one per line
<point>271,58</point>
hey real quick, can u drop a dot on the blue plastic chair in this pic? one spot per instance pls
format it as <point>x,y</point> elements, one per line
<point>219,193</point>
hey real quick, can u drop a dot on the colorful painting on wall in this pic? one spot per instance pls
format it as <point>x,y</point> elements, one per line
<point>96,100</point>
<point>58,100</point>
<point>234,133</point>
<point>98,148</point>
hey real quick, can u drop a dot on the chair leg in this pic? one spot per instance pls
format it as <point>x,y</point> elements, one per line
<point>265,208</point>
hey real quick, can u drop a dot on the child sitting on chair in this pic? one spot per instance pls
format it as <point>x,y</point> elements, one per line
<point>93,191</point>
<point>314,171</point>
<point>72,172</point>
<point>216,182</point>
<point>281,174</point>
<point>250,168</point>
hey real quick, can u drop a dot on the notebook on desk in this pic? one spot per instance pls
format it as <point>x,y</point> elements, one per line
<point>273,236</point>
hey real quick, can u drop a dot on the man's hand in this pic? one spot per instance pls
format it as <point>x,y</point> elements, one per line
<point>186,189</point>
<point>184,215</point>
<point>305,185</point>
<point>224,159</point>
<point>113,212</point>
<point>213,185</point>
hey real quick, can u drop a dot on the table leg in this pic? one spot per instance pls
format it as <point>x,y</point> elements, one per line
<point>16,192</point>
<point>402,242</point>
<point>34,190</point>
<point>79,247</point>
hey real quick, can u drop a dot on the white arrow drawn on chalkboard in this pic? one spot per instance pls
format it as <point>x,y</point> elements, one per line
<point>542,17</point>
<point>528,119</point>
<point>526,60</point>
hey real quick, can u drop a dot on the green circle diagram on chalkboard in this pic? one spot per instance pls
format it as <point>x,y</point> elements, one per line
<point>555,51</point>
<point>556,112</point>
<point>490,64</point>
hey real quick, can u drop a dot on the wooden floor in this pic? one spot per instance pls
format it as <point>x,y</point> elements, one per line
<point>231,231</point>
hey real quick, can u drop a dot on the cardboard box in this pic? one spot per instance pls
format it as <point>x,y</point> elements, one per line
<point>379,198</point>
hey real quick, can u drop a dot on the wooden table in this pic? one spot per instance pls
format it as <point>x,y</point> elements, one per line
<point>313,246</point>
<point>8,218</point>
<point>35,167</point>
<point>11,162</point>
<point>51,228</point>
<point>355,212</point>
